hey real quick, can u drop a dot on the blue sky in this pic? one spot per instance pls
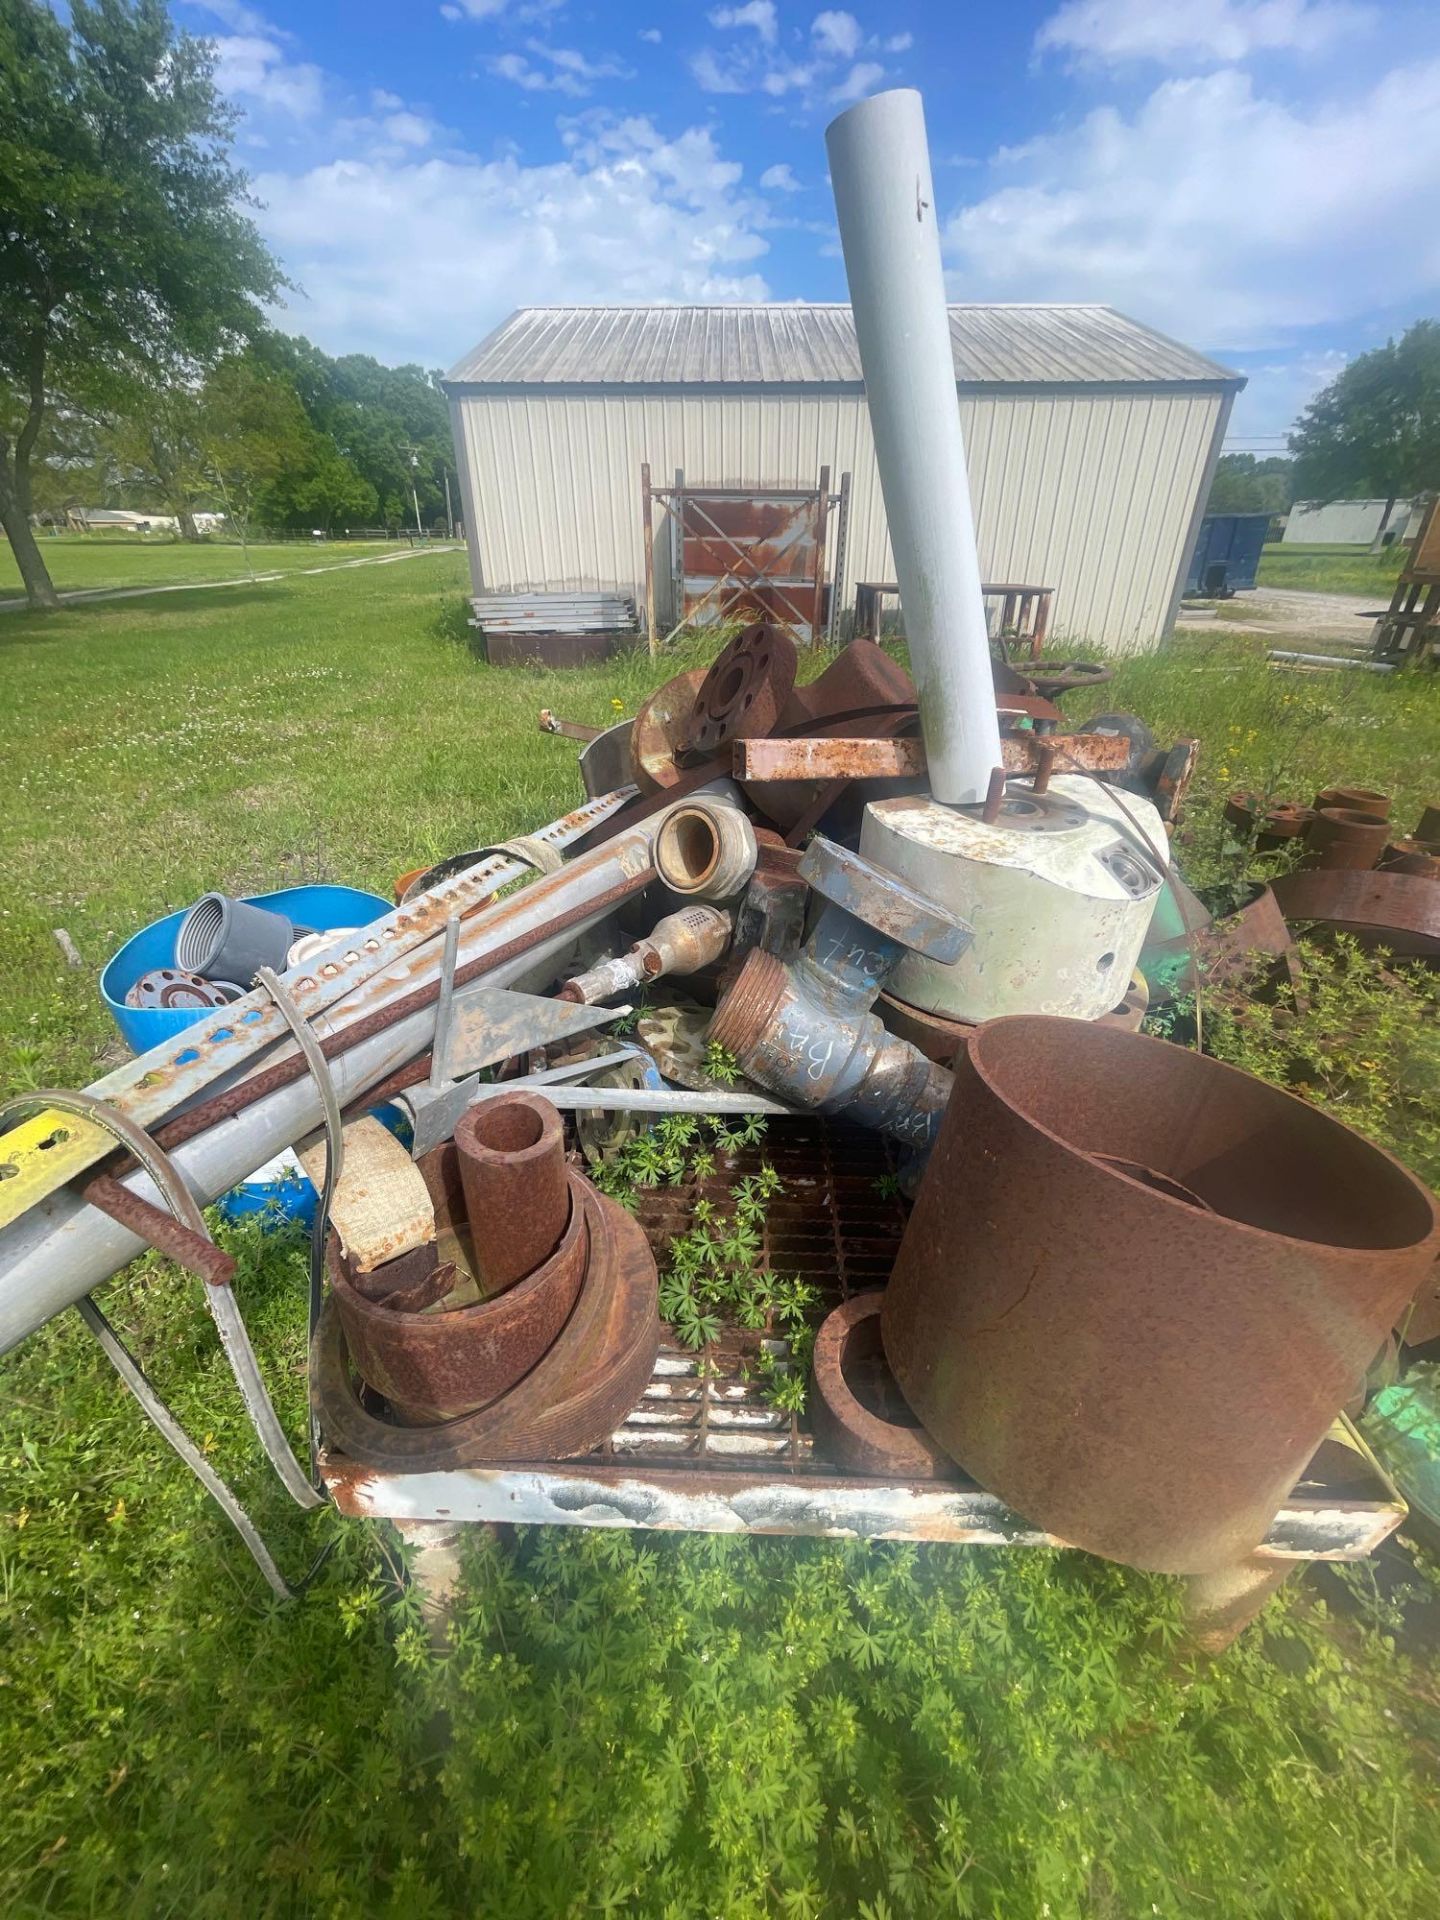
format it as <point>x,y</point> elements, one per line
<point>1255,177</point>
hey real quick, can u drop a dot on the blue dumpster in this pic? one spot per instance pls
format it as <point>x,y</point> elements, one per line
<point>1227,554</point>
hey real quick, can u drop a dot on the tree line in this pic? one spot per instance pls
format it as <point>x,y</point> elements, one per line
<point>275,435</point>
<point>1372,434</point>
<point>135,352</point>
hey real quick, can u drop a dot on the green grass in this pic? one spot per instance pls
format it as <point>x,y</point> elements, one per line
<point>621,1724</point>
<point>86,562</point>
<point>1333,569</point>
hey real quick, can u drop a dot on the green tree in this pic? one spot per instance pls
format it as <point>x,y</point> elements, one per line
<point>1244,484</point>
<point>124,246</point>
<point>1374,432</point>
<point>390,423</point>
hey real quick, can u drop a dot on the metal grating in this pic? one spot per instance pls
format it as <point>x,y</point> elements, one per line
<point>836,1224</point>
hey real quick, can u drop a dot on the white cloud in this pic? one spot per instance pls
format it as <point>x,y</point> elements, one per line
<point>1277,393</point>
<point>569,71</point>
<point>758,15</point>
<point>408,129</point>
<point>416,258</point>
<point>1197,32</point>
<point>251,68</point>
<point>712,75</point>
<point>836,33</point>
<point>238,17</point>
<point>779,179</point>
<point>1218,214</point>
<point>492,9</point>
<point>898,43</point>
<point>652,34</point>
<point>759,67</point>
<point>862,78</point>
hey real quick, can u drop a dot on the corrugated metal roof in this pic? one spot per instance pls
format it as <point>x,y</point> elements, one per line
<point>802,345</point>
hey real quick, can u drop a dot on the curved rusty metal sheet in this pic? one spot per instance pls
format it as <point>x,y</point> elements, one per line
<point>1399,911</point>
<point>1143,1376</point>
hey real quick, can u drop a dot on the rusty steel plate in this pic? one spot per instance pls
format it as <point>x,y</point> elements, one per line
<point>568,1403</point>
<point>437,1366</point>
<point>858,1414</point>
<point>1143,1377</point>
<point>1397,911</point>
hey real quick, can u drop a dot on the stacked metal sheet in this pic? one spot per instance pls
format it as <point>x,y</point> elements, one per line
<point>564,612</point>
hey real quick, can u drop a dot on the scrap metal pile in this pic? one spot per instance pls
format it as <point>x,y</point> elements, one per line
<point>1136,1285</point>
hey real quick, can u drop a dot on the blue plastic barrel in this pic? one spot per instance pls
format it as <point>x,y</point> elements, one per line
<point>322,908</point>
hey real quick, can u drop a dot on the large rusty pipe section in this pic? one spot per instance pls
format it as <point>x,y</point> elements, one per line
<point>62,1248</point>
<point>1138,1285</point>
<point>890,233</point>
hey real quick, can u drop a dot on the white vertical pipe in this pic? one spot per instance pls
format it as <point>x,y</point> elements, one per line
<point>885,204</point>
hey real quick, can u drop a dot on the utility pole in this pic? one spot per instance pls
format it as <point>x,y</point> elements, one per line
<point>414,453</point>
<point>449,510</point>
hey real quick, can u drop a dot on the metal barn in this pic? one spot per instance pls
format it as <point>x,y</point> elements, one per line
<point>1091,443</point>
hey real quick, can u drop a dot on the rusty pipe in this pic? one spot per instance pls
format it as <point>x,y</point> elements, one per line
<point>1142,1376</point>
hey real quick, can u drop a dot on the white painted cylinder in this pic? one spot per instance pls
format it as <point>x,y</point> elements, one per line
<point>889,229</point>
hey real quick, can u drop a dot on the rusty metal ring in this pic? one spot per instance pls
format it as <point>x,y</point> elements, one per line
<point>570,1401</point>
<point>438,1366</point>
<point>1398,911</point>
<point>845,1428</point>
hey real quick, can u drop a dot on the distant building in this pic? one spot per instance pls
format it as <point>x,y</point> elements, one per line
<point>95,519</point>
<point>1091,443</point>
<point>1351,523</point>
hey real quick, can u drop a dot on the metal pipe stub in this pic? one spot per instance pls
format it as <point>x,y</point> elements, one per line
<point>1345,837</point>
<point>857,1413</point>
<point>517,1197</point>
<point>437,1366</point>
<point>1142,1376</point>
<point>572,1399</point>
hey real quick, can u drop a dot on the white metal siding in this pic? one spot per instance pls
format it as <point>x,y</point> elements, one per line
<point>1087,491</point>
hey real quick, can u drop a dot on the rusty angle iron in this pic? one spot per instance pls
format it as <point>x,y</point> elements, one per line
<point>1398,911</point>
<point>1142,1376</point>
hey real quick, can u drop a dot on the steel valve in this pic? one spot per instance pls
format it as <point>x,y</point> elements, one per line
<point>805,1030</point>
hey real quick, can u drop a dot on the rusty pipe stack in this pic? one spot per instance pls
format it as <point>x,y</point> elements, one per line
<point>521,1241</point>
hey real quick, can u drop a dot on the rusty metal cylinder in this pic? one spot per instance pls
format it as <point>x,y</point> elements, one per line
<point>1345,838</point>
<point>512,1168</point>
<point>1358,799</point>
<point>1143,1376</point>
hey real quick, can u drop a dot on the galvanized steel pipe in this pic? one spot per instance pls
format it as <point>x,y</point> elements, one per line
<point>890,233</point>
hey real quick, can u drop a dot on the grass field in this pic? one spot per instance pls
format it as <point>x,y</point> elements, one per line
<point>86,563</point>
<point>621,1724</point>
<point>1333,569</point>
